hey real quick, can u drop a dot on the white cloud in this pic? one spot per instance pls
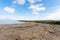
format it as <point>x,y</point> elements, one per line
<point>36,8</point>
<point>34,1</point>
<point>9,9</point>
<point>55,15</point>
<point>31,1</point>
<point>20,2</point>
<point>3,17</point>
<point>12,17</point>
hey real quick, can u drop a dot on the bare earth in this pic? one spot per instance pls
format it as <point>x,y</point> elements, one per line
<point>30,31</point>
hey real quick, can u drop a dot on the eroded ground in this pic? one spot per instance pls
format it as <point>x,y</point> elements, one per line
<point>30,31</point>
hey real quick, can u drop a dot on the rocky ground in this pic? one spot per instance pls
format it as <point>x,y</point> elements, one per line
<point>29,31</point>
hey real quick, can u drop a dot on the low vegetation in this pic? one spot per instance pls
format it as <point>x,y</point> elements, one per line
<point>42,21</point>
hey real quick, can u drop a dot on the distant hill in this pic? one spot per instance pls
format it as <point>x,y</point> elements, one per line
<point>42,21</point>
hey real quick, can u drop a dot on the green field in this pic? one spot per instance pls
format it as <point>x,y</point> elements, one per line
<point>42,21</point>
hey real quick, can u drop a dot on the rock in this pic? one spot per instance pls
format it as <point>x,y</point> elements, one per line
<point>34,31</point>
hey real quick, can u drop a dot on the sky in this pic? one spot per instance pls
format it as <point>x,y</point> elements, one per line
<point>29,9</point>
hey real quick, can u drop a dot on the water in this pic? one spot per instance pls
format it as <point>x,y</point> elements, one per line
<point>9,22</point>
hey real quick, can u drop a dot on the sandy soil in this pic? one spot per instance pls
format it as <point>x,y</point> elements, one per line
<point>29,31</point>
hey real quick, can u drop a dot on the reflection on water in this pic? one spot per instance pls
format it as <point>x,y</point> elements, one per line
<point>9,22</point>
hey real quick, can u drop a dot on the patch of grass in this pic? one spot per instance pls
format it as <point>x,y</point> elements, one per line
<point>42,21</point>
<point>49,22</point>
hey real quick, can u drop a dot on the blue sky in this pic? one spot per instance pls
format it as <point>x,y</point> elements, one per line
<point>29,9</point>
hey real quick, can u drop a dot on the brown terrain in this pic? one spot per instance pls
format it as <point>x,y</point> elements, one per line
<point>29,31</point>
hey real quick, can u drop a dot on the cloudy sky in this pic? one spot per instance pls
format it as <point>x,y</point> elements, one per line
<point>29,9</point>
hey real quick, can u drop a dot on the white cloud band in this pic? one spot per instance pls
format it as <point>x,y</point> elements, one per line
<point>36,8</point>
<point>9,9</point>
<point>55,15</point>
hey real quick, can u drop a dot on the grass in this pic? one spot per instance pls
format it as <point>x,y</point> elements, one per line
<point>42,21</point>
